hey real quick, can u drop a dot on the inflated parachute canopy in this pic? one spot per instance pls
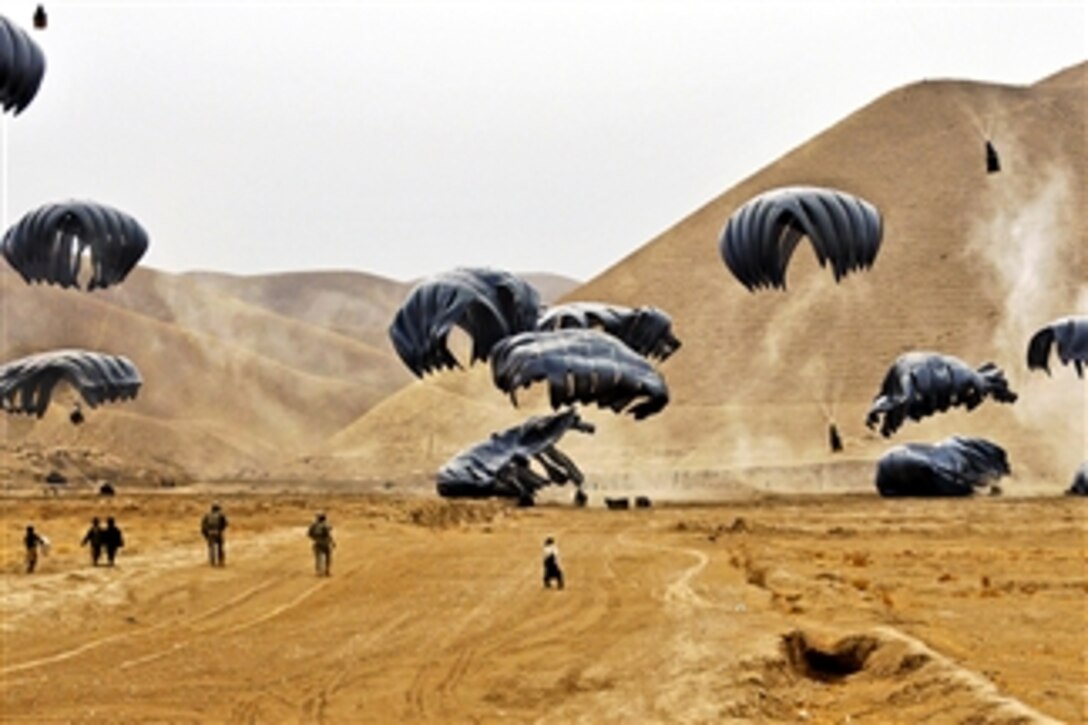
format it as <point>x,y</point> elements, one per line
<point>920,384</point>
<point>22,66</point>
<point>500,466</point>
<point>760,237</point>
<point>1069,335</point>
<point>646,330</point>
<point>954,467</point>
<point>47,244</point>
<point>580,366</point>
<point>1079,486</point>
<point>26,385</point>
<point>487,304</point>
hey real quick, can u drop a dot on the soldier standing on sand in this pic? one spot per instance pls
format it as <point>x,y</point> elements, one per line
<point>33,542</point>
<point>93,538</point>
<point>320,532</point>
<point>112,540</point>
<point>212,527</point>
<point>551,564</point>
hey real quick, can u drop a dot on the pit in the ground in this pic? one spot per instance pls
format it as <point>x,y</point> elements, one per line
<point>827,664</point>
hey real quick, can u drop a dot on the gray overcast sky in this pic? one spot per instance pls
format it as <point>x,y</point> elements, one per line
<point>405,138</point>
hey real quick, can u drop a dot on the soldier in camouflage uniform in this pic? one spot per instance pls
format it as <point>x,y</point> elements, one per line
<point>320,532</point>
<point>212,526</point>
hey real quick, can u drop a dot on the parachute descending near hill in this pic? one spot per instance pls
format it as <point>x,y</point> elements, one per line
<point>1069,335</point>
<point>584,366</point>
<point>956,466</point>
<point>646,330</point>
<point>26,385</point>
<point>759,239</point>
<point>47,244</point>
<point>487,304</point>
<point>500,466</point>
<point>920,384</point>
<point>22,66</point>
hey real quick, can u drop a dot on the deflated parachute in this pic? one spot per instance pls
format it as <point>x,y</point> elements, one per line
<point>1079,486</point>
<point>920,384</point>
<point>583,366</point>
<point>487,304</point>
<point>22,66</point>
<point>760,237</point>
<point>47,244</point>
<point>26,385</point>
<point>500,466</point>
<point>1069,335</point>
<point>646,330</point>
<point>954,467</point>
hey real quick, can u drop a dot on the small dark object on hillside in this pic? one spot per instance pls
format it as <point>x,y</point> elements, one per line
<point>56,478</point>
<point>643,502</point>
<point>993,163</point>
<point>106,489</point>
<point>580,498</point>
<point>617,504</point>
<point>76,416</point>
<point>834,439</point>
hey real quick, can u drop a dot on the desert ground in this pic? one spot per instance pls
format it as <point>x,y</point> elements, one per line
<point>834,608</point>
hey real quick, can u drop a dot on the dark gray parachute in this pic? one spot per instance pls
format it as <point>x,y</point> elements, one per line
<point>500,466</point>
<point>759,238</point>
<point>47,244</point>
<point>26,385</point>
<point>1079,486</point>
<point>920,384</point>
<point>646,330</point>
<point>1069,335</point>
<point>581,366</point>
<point>22,66</point>
<point>487,304</point>
<point>956,466</point>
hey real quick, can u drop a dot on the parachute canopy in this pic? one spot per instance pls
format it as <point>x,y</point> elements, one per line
<point>760,237</point>
<point>1079,486</point>
<point>47,244</point>
<point>954,467</point>
<point>26,385</point>
<point>920,384</point>
<point>646,330</point>
<point>1069,335</point>
<point>22,65</point>
<point>487,304</point>
<point>499,466</point>
<point>583,366</point>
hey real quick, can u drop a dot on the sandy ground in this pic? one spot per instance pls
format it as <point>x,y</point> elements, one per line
<point>826,609</point>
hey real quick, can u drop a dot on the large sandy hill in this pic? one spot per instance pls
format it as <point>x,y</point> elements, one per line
<point>227,384</point>
<point>971,265</point>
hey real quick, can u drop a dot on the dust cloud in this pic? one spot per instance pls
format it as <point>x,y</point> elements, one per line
<point>1028,237</point>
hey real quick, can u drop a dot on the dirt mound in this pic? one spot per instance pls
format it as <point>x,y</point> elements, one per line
<point>881,669</point>
<point>453,514</point>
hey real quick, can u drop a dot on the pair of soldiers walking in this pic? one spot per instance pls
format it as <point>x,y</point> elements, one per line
<point>109,540</point>
<point>214,525</point>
